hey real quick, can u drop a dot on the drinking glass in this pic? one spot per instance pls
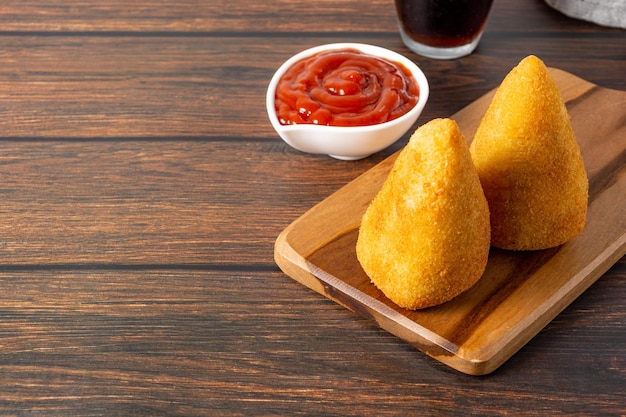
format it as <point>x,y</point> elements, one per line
<point>442,29</point>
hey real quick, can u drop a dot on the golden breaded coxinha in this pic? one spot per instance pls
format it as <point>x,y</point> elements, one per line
<point>529,163</point>
<point>424,239</point>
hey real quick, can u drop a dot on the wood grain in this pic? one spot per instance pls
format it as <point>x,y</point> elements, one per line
<point>142,189</point>
<point>520,292</point>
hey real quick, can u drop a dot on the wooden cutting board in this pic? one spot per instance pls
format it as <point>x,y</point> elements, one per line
<point>520,292</point>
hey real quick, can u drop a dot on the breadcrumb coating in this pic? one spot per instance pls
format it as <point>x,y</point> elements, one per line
<point>529,163</point>
<point>425,237</point>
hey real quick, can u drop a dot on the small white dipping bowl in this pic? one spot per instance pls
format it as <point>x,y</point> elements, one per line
<point>352,142</point>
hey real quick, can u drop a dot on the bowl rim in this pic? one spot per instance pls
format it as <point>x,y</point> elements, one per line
<point>374,50</point>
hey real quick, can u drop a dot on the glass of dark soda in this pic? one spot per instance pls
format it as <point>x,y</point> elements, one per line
<point>442,29</point>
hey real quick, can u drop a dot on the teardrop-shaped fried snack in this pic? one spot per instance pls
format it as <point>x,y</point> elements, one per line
<point>529,163</point>
<point>424,239</point>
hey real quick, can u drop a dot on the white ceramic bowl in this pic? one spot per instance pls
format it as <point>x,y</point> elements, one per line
<point>354,142</point>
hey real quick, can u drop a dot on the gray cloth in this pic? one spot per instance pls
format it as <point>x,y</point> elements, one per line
<point>602,12</point>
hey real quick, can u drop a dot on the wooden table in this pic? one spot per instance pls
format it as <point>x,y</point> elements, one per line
<point>142,188</point>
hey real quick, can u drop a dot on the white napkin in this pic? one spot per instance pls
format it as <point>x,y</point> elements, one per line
<point>603,12</point>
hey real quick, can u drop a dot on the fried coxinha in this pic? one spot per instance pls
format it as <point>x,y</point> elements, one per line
<point>522,185</point>
<point>424,239</point>
<point>529,163</point>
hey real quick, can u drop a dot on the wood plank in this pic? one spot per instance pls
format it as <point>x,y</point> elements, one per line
<point>203,342</point>
<point>246,16</point>
<point>194,15</point>
<point>161,202</point>
<point>163,87</point>
<point>153,340</point>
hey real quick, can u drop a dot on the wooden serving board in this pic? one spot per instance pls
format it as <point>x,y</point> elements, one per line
<point>520,292</point>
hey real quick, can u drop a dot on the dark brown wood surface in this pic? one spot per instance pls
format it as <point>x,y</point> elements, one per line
<point>142,188</point>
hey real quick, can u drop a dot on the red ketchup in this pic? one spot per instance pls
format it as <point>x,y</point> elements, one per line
<point>344,87</point>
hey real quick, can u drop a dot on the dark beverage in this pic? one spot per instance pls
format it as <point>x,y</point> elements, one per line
<point>439,24</point>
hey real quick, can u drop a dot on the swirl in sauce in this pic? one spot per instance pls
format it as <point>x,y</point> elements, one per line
<point>344,88</point>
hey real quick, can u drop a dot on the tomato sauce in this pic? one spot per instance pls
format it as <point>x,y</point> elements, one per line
<point>344,88</point>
